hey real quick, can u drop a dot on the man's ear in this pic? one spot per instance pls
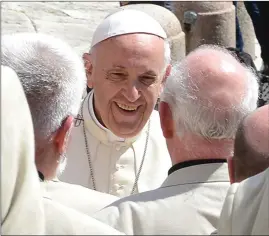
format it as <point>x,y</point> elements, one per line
<point>62,135</point>
<point>167,73</point>
<point>88,68</point>
<point>231,169</point>
<point>166,118</point>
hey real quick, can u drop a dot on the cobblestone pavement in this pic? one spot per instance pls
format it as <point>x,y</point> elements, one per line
<point>74,22</point>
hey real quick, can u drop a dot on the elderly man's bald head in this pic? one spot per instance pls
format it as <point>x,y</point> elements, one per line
<point>220,79</point>
<point>251,151</point>
<point>210,92</point>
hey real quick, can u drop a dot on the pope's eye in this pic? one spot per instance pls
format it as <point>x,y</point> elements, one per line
<point>147,80</point>
<point>116,76</point>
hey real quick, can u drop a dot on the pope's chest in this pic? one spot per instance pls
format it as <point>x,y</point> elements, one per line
<point>111,153</point>
<point>115,157</point>
<point>110,167</point>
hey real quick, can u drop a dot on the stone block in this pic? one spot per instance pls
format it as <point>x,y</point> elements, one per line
<point>214,23</point>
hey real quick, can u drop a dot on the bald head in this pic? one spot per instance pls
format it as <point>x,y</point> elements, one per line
<point>220,80</point>
<point>251,151</point>
<point>210,92</point>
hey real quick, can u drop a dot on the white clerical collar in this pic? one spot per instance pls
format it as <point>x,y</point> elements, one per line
<point>204,173</point>
<point>112,137</point>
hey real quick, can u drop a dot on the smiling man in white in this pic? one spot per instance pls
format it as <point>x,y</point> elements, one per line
<point>117,146</point>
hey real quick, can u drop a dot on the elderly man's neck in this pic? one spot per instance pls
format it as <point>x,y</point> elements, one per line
<point>201,149</point>
<point>47,162</point>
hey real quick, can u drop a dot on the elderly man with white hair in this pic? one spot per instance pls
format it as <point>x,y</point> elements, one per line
<point>117,146</point>
<point>23,209</point>
<point>206,97</point>
<point>53,78</point>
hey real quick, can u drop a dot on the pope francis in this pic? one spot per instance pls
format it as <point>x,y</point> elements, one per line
<point>117,146</point>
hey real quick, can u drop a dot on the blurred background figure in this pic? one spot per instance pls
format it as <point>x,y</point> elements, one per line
<point>239,38</point>
<point>259,14</point>
<point>246,60</point>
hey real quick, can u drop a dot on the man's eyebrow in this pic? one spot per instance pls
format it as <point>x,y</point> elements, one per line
<point>118,66</point>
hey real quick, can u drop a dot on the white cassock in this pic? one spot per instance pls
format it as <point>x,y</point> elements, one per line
<point>116,161</point>
<point>22,209</point>
<point>77,197</point>
<point>246,207</point>
<point>62,220</point>
<point>188,202</point>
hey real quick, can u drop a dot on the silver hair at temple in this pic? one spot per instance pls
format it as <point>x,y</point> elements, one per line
<point>51,74</point>
<point>198,118</point>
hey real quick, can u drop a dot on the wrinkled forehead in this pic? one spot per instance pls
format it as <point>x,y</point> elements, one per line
<point>140,51</point>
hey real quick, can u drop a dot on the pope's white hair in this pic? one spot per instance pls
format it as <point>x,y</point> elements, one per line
<point>52,75</point>
<point>199,119</point>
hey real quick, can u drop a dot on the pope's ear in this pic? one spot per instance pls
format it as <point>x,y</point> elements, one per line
<point>88,68</point>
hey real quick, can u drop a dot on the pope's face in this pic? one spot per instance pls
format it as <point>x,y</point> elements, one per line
<point>127,74</point>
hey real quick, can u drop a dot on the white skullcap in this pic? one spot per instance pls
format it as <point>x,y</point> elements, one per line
<point>127,21</point>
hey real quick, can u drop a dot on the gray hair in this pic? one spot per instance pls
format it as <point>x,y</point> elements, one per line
<point>199,119</point>
<point>52,75</point>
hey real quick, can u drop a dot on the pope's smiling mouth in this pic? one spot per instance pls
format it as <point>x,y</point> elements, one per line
<point>126,107</point>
